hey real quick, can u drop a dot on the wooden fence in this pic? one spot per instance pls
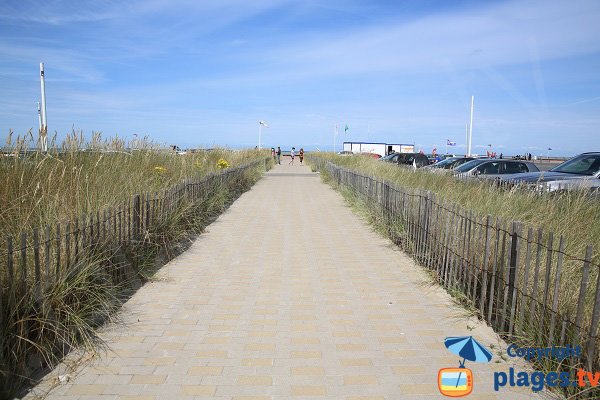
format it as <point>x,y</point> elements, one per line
<point>521,280</point>
<point>36,259</point>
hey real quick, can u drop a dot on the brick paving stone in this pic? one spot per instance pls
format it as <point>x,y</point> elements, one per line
<point>287,294</point>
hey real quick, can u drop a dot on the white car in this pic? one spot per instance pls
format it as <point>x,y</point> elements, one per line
<point>579,172</point>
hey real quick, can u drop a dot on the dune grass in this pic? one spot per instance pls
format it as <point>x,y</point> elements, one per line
<point>576,216</point>
<point>77,177</point>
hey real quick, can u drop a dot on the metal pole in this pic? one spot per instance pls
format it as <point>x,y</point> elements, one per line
<point>39,115</point>
<point>259,133</point>
<point>471,125</point>
<point>44,127</point>
<point>467,139</point>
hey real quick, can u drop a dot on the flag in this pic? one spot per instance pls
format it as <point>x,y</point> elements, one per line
<point>263,123</point>
<point>450,143</point>
<point>346,128</point>
<point>549,148</point>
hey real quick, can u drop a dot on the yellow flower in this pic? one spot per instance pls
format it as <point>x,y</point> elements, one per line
<point>160,169</point>
<point>222,164</point>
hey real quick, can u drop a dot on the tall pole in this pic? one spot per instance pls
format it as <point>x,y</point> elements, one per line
<point>39,115</point>
<point>259,133</point>
<point>44,128</point>
<point>471,125</point>
<point>467,138</point>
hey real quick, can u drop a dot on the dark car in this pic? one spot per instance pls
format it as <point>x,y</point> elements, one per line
<point>494,168</point>
<point>392,157</point>
<point>579,172</point>
<point>415,159</point>
<point>451,162</point>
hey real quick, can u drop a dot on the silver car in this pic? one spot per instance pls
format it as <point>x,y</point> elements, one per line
<point>579,172</point>
<point>494,168</point>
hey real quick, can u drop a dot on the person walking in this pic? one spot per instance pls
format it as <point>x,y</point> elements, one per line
<point>278,155</point>
<point>273,154</point>
<point>301,155</point>
<point>292,154</point>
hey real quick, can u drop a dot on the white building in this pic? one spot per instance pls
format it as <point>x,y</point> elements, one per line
<point>382,149</point>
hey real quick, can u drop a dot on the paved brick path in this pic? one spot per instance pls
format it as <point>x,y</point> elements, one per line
<point>288,295</point>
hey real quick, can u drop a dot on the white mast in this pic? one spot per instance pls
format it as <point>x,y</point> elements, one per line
<point>39,115</point>
<point>44,124</point>
<point>260,125</point>
<point>467,138</point>
<point>471,126</point>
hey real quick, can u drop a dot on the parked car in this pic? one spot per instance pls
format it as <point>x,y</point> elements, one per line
<point>392,157</point>
<point>494,168</point>
<point>579,172</point>
<point>451,162</point>
<point>416,159</point>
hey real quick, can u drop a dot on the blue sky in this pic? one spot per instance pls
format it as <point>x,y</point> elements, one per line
<point>203,73</point>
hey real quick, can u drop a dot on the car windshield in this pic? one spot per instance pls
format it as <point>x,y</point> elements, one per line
<point>443,163</point>
<point>388,156</point>
<point>469,165</point>
<point>584,164</point>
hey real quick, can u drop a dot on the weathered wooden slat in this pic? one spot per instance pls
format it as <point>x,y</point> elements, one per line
<point>47,250</point>
<point>549,253</point>
<point>36,265</point>
<point>23,252</point>
<point>492,292</point>
<point>555,310</point>
<point>10,270</point>
<point>486,263</point>
<point>536,275</point>
<point>501,278</point>
<point>468,263</point>
<point>520,327</point>
<point>513,286</point>
<point>68,245</point>
<point>76,235</point>
<point>58,252</point>
<point>137,216</point>
<point>585,276</point>
<point>593,333</point>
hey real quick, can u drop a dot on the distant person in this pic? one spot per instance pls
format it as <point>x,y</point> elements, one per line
<point>529,156</point>
<point>273,154</point>
<point>301,155</point>
<point>501,156</point>
<point>278,155</point>
<point>292,154</point>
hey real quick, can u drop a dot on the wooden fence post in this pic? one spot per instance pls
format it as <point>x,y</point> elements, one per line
<point>520,327</point>
<point>582,291</point>
<point>559,261</point>
<point>513,289</point>
<point>593,335</point>
<point>36,263</point>
<point>486,263</point>
<point>23,251</point>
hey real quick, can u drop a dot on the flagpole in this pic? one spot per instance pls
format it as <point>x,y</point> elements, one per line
<point>259,133</point>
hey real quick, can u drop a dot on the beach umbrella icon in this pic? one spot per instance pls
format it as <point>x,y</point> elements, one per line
<point>467,348</point>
